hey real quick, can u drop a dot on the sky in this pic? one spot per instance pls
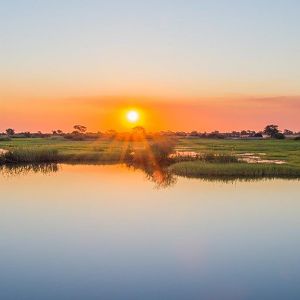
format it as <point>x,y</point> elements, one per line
<point>187,65</point>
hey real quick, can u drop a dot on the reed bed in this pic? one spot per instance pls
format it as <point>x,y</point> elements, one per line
<point>214,157</point>
<point>196,169</point>
<point>30,155</point>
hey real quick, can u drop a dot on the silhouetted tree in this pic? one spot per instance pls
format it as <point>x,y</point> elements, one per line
<point>271,130</point>
<point>80,128</point>
<point>279,136</point>
<point>111,133</point>
<point>288,132</point>
<point>194,133</point>
<point>57,132</point>
<point>258,135</point>
<point>139,130</point>
<point>10,131</point>
<point>27,134</point>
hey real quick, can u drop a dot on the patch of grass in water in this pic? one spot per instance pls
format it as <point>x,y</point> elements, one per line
<point>219,158</point>
<point>209,157</point>
<point>199,169</point>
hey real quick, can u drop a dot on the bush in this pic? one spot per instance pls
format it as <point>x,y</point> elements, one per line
<point>161,149</point>
<point>217,158</point>
<point>74,137</point>
<point>156,152</point>
<point>81,137</point>
<point>279,136</point>
<point>5,138</point>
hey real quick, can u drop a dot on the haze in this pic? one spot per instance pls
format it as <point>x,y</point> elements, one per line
<point>200,65</point>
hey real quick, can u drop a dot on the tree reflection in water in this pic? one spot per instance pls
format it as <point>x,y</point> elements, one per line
<point>157,173</point>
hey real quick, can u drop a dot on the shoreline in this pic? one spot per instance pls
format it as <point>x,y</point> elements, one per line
<point>215,158</point>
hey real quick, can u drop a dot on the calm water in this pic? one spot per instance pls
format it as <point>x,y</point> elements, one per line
<point>106,232</point>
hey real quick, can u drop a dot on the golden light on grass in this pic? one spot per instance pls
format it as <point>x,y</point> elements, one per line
<point>132,116</point>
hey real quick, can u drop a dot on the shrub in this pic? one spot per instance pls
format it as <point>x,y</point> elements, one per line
<point>279,136</point>
<point>218,158</point>
<point>156,152</point>
<point>81,137</point>
<point>161,149</point>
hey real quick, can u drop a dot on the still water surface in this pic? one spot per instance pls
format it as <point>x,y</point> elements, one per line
<point>106,232</point>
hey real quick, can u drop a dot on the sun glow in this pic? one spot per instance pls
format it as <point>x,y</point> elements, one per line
<point>132,116</point>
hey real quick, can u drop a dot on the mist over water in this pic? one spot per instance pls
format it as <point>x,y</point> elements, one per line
<point>107,232</point>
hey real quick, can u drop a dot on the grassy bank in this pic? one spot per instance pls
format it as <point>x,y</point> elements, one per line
<point>100,151</point>
<point>27,155</point>
<point>199,169</point>
<point>214,157</point>
<point>52,155</point>
<point>39,150</point>
<point>286,150</point>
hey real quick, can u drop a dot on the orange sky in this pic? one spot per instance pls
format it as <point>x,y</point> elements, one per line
<point>204,65</point>
<point>104,113</point>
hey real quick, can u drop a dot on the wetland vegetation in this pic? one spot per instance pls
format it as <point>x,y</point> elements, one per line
<point>190,157</point>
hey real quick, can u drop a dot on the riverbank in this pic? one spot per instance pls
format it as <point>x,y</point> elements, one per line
<point>191,157</point>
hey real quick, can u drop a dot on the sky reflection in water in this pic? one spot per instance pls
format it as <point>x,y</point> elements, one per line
<point>104,232</point>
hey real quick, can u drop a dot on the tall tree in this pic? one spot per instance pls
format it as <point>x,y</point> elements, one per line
<point>10,131</point>
<point>80,128</point>
<point>271,130</point>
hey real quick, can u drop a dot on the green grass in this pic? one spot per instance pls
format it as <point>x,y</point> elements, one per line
<point>286,150</point>
<point>218,156</point>
<point>66,151</point>
<point>30,150</point>
<point>27,155</point>
<point>199,169</point>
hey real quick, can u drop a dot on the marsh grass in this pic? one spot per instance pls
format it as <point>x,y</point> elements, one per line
<point>30,155</point>
<point>216,158</point>
<point>198,169</point>
<point>102,156</point>
<point>219,158</point>
<point>210,157</point>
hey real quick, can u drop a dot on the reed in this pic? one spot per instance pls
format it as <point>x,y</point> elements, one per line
<point>196,169</point>
<point>30,155</point>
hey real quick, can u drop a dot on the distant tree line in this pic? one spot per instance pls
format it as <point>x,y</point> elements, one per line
<point>80,133</point>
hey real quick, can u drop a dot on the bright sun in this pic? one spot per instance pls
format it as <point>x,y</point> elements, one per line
<point>133,116</point>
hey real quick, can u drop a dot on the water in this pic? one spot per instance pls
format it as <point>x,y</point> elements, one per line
<point>106,232</point>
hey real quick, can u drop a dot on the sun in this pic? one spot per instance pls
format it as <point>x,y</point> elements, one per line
<point>133,116</point>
